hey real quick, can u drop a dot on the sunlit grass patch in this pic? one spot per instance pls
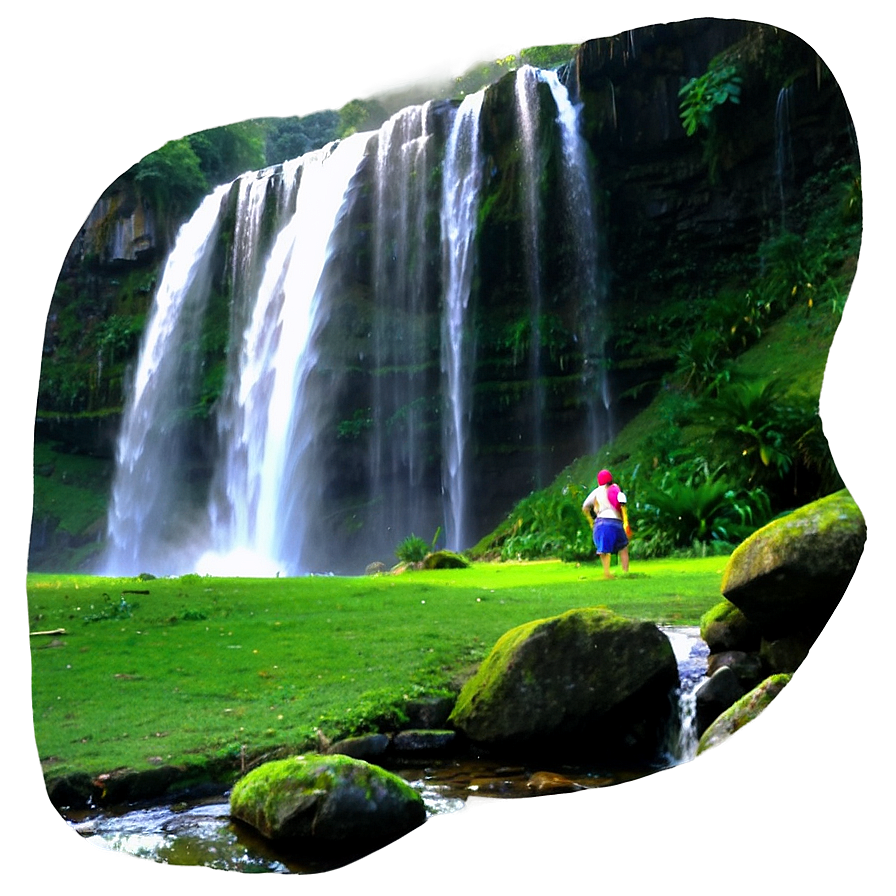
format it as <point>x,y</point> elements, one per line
<point>200,667</point>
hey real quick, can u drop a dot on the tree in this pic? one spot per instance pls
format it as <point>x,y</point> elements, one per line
<point>290,138</point>
<point>360,115</point>
<point>172,178</point>
<point>228,151</point>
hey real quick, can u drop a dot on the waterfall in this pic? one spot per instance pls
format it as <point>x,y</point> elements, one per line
<point>343,388</point>
<point>148,519</point>
<point>783,149</point>
<point>461,182</point>
<point>232,508</point>
<point>528,108</point>
<point>403,395</point>
<point>259,429</point>
<point>579,207</point>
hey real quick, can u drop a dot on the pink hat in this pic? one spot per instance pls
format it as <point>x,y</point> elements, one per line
<point>604,477</point>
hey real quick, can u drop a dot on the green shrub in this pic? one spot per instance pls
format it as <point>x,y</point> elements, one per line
<point>701,95</point>
<point>412,550</point>
<point>701,516</point>
<point>549,524</point>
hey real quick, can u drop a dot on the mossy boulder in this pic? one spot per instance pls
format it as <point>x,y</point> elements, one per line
<point>742,711</point>
<point>586,682</point>
<point>444,560</point>
<point>365,746</point>
<point>331,800</point>
<point>790,575</point>
<point>724,627</point>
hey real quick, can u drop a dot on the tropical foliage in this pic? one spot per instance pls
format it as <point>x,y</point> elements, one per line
<point>289,138</point>
<point>704,509</point>
<point>719,84</point>
<point>177,176</point>
<point>548,523</point>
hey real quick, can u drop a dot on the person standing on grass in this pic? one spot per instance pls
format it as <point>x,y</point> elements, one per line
<point>605,509</point>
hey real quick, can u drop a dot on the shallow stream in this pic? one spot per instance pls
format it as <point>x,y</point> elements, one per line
<point>201,832</point>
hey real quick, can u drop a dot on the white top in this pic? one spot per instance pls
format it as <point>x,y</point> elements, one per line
<point>601,505</point>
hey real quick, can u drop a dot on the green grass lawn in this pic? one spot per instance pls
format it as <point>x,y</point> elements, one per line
<point>201,667</point>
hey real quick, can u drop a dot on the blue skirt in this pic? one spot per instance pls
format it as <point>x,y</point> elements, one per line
<point>609,536</point>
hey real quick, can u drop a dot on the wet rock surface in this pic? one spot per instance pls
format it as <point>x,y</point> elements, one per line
<point>336,800</point>
<point>585,682</point>
<point>742,711</point>
<point>790,575</point>
<point>780,587</point>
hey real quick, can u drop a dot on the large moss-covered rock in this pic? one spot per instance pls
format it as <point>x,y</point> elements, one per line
<point>334,800</point>
<point>743,711</point>
<point>789,576</point>
<point>587,681</point>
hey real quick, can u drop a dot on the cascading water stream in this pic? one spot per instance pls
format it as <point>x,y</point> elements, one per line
<point>399,412</point>
<point>461,182</point>
<point>526,86</point>
<point>579,207</point>
<point>783,148</point>
<point>231,517</point>
<point>144,526</point>
<point>258,455</point>
<point>691,655</point>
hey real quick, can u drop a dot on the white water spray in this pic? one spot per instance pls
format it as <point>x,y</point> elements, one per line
<point>142,519</point>
<point>260,445</point>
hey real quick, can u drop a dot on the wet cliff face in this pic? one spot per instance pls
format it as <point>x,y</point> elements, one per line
<point>685,215</point>
<point>678,218</point>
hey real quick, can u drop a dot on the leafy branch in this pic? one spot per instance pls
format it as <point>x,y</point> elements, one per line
<point>701,95</point>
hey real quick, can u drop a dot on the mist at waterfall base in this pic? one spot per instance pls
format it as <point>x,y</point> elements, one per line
<point>294,486</point>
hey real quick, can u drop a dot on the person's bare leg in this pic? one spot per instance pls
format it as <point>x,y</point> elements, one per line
<point>623,559</point>
<point>605,560</point>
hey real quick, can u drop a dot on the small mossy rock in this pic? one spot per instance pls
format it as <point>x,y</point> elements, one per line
<point>444,560</point>
<point>417,740</point>
<point>743,711</point>
<point>724,627</point>
<point>333,800</point>
<point>791,574</point>
<point>586,681</point>
<point>428,712</point>
<point>126,785</point>
<point>366,746</point>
